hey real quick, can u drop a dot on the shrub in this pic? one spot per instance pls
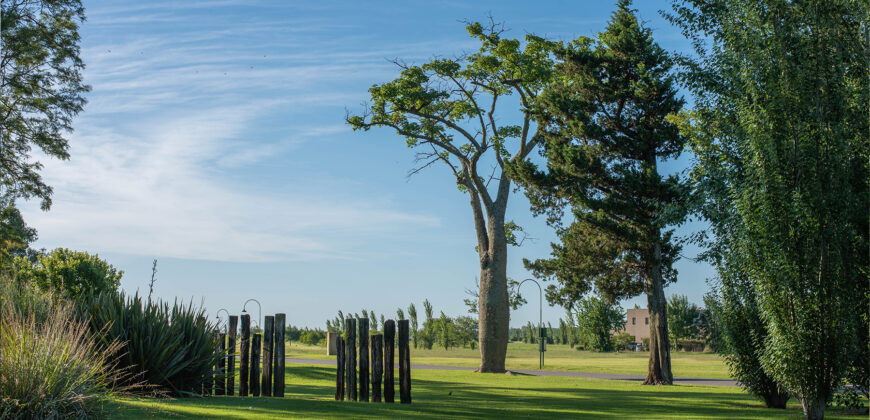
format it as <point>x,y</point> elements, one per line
<point>596,318</point>
<point>622,340</point>
<point>172,348</point>
<point>312,337</point>
<point>70,273</point>
<point>55,368</point>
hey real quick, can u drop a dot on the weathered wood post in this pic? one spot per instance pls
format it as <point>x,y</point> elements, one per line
<point>350,359</point>
<point>389,363</point>
<point>255,364</point>
<point>364,359</point>
<point>404,363</point>
<point>231,355</point>
<point>339,369</point>
<point>268,336</point>
<point>220,381</point>
<point>377,365</point>
<point>208,386</point>
<point>278,371</point>
<point>244,363</point>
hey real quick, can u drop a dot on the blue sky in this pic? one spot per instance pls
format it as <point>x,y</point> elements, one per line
<point>214,141</point>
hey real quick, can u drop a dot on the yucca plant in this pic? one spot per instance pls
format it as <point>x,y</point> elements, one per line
<point>53,367</point>
<point>171,348</point>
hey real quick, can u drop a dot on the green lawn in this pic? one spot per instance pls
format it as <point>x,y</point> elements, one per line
<point>462,394</point>
<point>557,357</point>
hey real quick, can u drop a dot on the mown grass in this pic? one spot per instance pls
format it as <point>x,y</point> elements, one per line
<point>557,357</point>
<point>468,395</point>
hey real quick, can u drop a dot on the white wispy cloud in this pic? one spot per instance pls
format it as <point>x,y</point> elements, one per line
<point>164,157</point>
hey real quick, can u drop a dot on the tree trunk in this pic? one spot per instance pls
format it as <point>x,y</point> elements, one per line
<point>813,409</point>
<point>659,372</point>
<point>493,308</point>
<point>776,400</point>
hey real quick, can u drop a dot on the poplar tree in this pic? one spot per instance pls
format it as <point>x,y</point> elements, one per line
<point>606,122</point>
<point>780,131</point>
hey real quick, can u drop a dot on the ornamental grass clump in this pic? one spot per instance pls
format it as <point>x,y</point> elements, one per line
<point>171,348</point>
<point>53,369</point>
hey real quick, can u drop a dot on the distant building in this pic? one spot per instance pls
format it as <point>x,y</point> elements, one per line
<point>637,323</point>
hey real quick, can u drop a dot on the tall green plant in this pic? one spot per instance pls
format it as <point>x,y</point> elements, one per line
<point>170,347</point>
<point>607,129</point>
<point>412,315</point>
<point>780,131</point>
<point>596,318</point>
<point>53,367</point>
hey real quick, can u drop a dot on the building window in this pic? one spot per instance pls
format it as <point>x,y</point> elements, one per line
<point>646,320</point>
<point>633,320</point>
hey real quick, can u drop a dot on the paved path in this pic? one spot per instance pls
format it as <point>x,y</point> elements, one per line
<point>616,376</point>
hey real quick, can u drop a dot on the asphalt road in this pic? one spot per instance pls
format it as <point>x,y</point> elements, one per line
<point>614,376</point>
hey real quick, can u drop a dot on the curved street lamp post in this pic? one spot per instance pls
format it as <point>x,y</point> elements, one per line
<point>259,310</point>
<point>218,316</point>
<point>540,319</point>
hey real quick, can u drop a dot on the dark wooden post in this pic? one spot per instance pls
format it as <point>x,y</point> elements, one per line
<point>389,360</point>
<point>255,364</point>
<point>339,369</point>
<point>377,365</point>
<point>278,371</point>
<point>231,355</point>
<point>364,359</point>
<point>208,386</point>
<point>220,382</point>
<point>268,336</point>
<point>350,359</point>
<point>404,363</point>
<point>244,363</point>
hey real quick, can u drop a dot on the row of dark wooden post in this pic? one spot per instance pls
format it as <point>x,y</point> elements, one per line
<point>268,383</point>
<point>381,361</point>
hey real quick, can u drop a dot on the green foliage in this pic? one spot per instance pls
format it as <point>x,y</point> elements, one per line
<point>445,325</point>
<point>465,331</point>
<point>622,340</point>
<point>595,320</point>
<point>53,367</point>
<point>684,319</point>
<point>779,132</point>
<point>607,124</point>
<point>41,91</point>
<point>572,329</point>
<point>312,337</point>
<point>712,327</point>
<point>169,347</point>
<point>15,237</point>
<point>72,274</point>
<point>412,316</point>
<point>453,113</point>
<point>606,128</point>
<point>515,299</point>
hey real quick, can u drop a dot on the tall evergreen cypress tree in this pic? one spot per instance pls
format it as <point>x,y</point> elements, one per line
<point>607,128</point>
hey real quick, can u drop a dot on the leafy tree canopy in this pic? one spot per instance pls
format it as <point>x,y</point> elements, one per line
<point>41,91</point>
<point>73,274</point>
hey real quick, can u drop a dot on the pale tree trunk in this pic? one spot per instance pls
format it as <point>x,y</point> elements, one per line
<point>659,372</point>
<point>493,308</point>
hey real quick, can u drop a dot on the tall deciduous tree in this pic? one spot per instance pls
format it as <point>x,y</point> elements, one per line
<point>607,129</point>
<point>449,111</point>
<point>412,315</point>
<point>781,133</point>
<point>41,89</point>
<point>596,319</point>
<point>684,318</point>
